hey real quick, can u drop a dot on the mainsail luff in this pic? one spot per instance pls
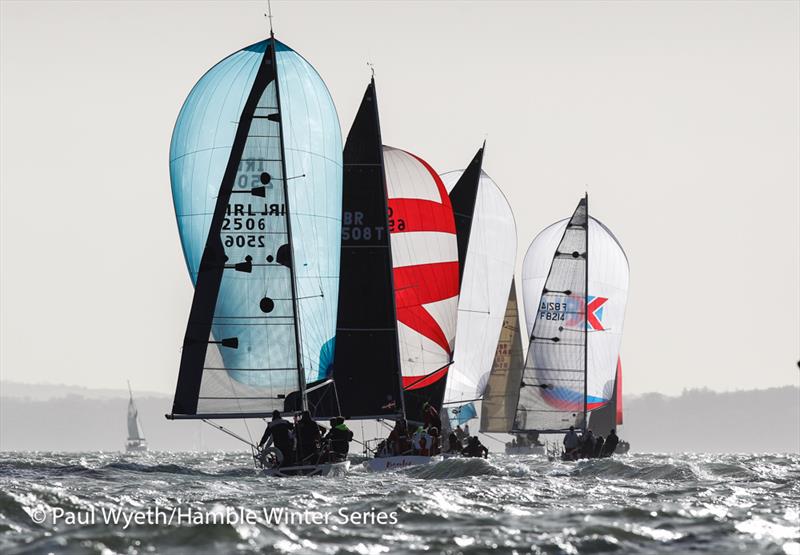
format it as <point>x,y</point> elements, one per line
<point>502,391</point>
<point>554,379</point>
<point>584,420</point>
<point>296,320</point>
<point>367,356</point>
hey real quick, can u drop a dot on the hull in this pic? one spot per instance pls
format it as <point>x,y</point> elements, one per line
<point>325,469</point>
<point>136,447</point>
<point>381,464</point>
<point>622,448</point>
<point>527,450</point>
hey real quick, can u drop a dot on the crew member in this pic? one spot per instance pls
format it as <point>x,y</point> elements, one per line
<point>587,444</point>
<point>475,448</point>
<point>280,431</point>
<point>571,443</point>
<point>611,444</point>
<point>598,447</point>
<point>398,438</point>
<point>454,443</point>
<point>339,437</point>
<point>430,417</point>
<point>309,434</point>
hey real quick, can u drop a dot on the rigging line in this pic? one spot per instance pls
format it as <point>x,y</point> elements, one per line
<point>227,431</point>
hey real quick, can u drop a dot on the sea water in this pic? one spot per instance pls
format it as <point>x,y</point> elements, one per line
<point>217,503</point>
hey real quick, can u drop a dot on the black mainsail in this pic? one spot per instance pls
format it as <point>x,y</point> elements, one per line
<point>366,369</point>
<point>463,197</point>
<point>259,318</point>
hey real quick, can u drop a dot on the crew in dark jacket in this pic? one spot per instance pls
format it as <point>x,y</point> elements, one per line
<point>430,417</point>
<point>598,447</point>
<point>454,443</point>
<point>280,431</point>
<point>611,444</point>
<point>475,448</point>
<point>587,444</point>
<point>309,435</point>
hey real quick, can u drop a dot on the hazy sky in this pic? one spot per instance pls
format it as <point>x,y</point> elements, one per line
<point>681,119</point>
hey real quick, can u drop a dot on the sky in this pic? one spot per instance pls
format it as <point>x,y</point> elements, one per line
<point>680,119</point>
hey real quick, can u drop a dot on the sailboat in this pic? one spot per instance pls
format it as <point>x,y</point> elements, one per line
<point>575,281</point>
<point>256,171</point>
<point>498,410</point>
<point>424,257</point>
<point>136,443</point>
<point>487,245</point>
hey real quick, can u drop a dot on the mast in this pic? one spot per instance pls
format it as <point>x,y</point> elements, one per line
<point>389,242</point>
<point>586,321</point>
<point>298,346</point>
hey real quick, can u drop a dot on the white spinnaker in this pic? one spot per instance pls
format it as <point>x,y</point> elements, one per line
<point>608,279</point>
<point>488,270</point>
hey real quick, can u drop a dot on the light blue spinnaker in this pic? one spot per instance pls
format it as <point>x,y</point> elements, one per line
<point>199,154</point>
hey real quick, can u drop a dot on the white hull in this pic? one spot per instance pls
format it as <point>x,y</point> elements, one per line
<point>324,469</point>
<point>528,450</point>
<point>379,464</point>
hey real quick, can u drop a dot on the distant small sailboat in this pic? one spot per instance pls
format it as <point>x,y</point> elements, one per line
<point>136,442</point>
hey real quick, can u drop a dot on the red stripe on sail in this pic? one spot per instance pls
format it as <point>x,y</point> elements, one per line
<point>424,284</point>
<point>411,383</point>
<point>407,214</point>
